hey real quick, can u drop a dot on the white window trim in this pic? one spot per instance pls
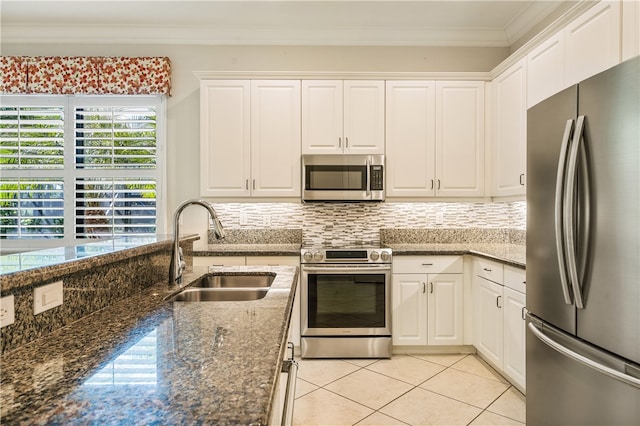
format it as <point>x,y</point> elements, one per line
<point>68,173</point>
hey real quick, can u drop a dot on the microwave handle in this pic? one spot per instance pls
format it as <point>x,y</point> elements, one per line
<point>368,190</point>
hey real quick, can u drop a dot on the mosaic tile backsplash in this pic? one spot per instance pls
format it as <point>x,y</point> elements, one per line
<point>361,222</point>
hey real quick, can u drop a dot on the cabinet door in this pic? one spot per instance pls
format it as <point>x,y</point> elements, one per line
<point>410,144</point>
<point>409,312</point>
<point>630,29</point>
<point>363,117</point>
<point>225,138</point>
<point>545,69</point>
<point>592,42</point>
<point>489,323</point>
<point>510,127</point>
<point>275,138</point>
<point>514,336</point>
<point>444,309</point>
<point>459,138</point>
<point>322,114</point>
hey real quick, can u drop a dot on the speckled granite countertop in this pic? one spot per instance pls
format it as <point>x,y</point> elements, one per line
<point>208,362</point>
<point>512,254</point>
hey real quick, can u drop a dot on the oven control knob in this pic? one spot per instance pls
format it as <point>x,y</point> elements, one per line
<point>374,255</point>
<point>307,256</point>
<point>385,256</point>
<point>317,255</point>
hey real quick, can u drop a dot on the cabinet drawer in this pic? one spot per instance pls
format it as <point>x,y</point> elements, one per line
<point>488,269</point>
<point>515,278</point>
<point>427,264</point>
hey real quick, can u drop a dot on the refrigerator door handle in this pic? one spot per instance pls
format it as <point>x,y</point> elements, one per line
<point>558,211</point>
<point>570,213</point>
<point>604,369</point>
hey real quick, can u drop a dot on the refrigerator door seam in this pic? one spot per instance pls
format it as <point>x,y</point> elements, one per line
<point>630,380</point>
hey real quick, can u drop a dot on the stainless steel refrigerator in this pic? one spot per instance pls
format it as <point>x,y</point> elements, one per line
<point>583,253</point>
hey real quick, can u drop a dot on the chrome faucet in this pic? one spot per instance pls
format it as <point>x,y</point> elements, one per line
<point>177,264</point>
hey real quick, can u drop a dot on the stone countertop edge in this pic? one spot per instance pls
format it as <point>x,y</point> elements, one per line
<point>510,254</point>
<point>250,250</point>
<point>217,362</point>
<point>13,280</point>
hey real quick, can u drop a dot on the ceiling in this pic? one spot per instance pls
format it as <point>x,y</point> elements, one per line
<point>267,22</point>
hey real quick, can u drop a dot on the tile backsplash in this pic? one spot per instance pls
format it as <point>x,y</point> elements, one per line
<point>348,222</point>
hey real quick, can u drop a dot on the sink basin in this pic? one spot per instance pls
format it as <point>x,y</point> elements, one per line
<point>233,281</point>
<point>219,294</point>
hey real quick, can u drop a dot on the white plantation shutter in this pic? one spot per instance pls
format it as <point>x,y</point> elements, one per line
<point>32,208</point>
<point>32,137</point>
<point>77,167</point>
<point>119,137</point>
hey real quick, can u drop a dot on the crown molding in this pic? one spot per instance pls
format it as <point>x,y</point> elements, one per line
<point>340,75</point>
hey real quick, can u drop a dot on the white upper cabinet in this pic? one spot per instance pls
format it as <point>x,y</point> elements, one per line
<point>225,137</point>
<point>250,138</point>
<point>275,138</point>
<point>592,42</point>
<point>340,117</point>
<point>411,138</point>
<point>459,138</point>
<point>510,130</point>
<point>545,69</point>
<point>630,29</point>
<point>435,138</point>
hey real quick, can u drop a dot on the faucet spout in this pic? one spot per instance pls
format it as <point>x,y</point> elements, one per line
<point>177,264</point>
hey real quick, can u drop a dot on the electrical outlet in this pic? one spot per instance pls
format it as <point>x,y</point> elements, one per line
<point>46,297</point>
<point>439,218</point>
<point>7,311</point>
<point>243,219</point>
<point>266,220</point>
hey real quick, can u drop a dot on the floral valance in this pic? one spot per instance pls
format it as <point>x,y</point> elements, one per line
<point>63,75</point>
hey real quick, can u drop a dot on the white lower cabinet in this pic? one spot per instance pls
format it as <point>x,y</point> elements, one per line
<point>294,325</point>
<point>499,334</point>
<point>427,300</point>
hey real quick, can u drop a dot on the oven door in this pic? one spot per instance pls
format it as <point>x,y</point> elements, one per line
<point>346,300</point>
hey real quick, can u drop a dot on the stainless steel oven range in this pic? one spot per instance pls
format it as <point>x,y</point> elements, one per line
<point>345,303</point>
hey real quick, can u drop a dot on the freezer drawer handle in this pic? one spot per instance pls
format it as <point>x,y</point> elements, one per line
<point>630,380</point>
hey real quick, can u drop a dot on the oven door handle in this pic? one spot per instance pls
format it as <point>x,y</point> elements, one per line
<point>347,269</point>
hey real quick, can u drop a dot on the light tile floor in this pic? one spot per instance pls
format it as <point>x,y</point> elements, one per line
<point>405,390</point>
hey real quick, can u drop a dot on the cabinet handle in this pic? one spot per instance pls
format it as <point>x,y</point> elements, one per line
<point>431,288</point>
<point>427,264</point>
<point>522,179</point>
<point>246,184</point>
<point>424,288</point>
<point>431,183</point>
<point>254,184</point>
<point>346,142</point>
<point>438,184</point>
<point>498,302</point>
<point>339,142</point>
<point>486,269</point>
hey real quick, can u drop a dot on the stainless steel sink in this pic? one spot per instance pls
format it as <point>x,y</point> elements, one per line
<point>219,294</point>
<point>230,280</point>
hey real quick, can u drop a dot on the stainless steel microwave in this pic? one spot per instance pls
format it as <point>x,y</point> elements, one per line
<point>343,177</point>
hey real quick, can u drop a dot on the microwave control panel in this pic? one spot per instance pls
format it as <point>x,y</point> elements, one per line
<point>377,178</point>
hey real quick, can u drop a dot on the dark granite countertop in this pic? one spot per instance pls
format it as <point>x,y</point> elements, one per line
<point>511,254</point>
<point>250,250</point>
<point>199,363</point>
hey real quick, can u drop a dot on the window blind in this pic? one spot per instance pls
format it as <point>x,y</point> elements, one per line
<point>77,167</point>
<point>32,137</point>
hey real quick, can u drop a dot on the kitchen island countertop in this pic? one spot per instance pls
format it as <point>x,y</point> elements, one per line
<point>144,360</point>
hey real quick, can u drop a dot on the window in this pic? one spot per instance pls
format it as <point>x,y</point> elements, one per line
<point>77,167</point>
